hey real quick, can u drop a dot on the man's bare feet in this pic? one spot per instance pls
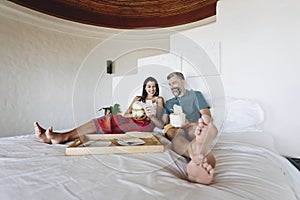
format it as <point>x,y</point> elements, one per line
<point>205,134</point>
<point>40,133</point>
<point>200,173</point>
<point>200,168</point>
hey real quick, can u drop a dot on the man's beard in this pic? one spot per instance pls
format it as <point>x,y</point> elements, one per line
<point>176,91</point>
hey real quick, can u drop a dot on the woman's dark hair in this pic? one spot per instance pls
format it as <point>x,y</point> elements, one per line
<point>144,93</point>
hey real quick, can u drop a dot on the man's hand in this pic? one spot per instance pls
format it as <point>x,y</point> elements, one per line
<point>186,124</point>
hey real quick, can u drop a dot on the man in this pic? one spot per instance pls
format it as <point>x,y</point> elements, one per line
<point>193,139</point>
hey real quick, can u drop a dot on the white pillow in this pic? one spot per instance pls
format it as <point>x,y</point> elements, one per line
<point>243,115</point>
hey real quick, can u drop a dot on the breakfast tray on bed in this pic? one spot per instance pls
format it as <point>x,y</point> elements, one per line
<point>134,142</point>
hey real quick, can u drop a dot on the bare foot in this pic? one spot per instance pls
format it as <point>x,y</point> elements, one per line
<point>205,134</point>
<point>55,138</point>
<point>200,173</point>
<point>200,169</point>
<point>40,133</point>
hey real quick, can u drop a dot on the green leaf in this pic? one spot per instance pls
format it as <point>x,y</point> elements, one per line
<point>115,109</point>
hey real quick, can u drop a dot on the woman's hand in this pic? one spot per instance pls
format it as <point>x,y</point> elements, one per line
<point>149,111</point>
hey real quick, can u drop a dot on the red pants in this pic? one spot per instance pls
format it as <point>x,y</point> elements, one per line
<point>115,124</point>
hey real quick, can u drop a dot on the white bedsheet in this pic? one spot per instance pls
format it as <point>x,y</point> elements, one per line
<point>245,170</point>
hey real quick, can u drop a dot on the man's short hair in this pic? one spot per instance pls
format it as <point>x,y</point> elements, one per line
<point>178,74</point>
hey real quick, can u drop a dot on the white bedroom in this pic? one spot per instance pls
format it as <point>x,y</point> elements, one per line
<point>54,71</point>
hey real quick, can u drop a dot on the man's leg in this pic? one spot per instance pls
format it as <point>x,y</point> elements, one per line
<point>180,143</point>
<point>183,144</point>
<point>202,137</point>
<point>48,136</point>
<point>201,167</point>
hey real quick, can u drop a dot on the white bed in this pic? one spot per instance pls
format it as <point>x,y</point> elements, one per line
<point>245,170</point>
<point>248,167</point>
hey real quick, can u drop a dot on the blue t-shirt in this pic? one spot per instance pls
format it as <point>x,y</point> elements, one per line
<point>191,102</point>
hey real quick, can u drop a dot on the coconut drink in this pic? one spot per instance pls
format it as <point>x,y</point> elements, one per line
<point>138,111</point>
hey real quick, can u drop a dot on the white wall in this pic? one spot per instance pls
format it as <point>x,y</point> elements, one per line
<point>38,66</point>
<point>260,60</point>
<point>53,70</point>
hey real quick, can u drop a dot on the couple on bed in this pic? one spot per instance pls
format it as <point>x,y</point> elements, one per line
<point>192,140</point>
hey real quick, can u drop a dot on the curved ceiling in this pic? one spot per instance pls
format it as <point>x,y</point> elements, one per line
<point>126,14</point>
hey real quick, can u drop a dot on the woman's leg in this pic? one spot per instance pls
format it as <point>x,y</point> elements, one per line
<point>48,136</point>
<point>107,124</point>
<point>40,133</point>
<point>118,124</point>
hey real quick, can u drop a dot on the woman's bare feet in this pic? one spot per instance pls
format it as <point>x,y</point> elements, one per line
<point>201,172</point>
<point>41,133</point>
<point>56,138</point>
<point>48,136</point>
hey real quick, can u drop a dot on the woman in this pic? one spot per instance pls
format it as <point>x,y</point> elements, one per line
<point>150,100</point>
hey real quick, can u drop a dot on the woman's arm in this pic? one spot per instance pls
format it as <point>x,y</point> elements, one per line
<point>128,112</point>
<point>160,107</point>
<point>157,120</point>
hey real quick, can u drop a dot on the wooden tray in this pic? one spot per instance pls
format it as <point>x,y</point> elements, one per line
<point>152,144</point>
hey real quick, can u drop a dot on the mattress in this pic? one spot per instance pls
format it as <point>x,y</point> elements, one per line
<point>248,167</point>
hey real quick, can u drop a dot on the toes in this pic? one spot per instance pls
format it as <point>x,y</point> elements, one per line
<point>201,126</point>
<point>36,126</point>
<point>201,122</point>
<point>211,172</point>
<point>205,165</point>
<point>199,173</point>
<point>208,168</point>
<point>38,129</point>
